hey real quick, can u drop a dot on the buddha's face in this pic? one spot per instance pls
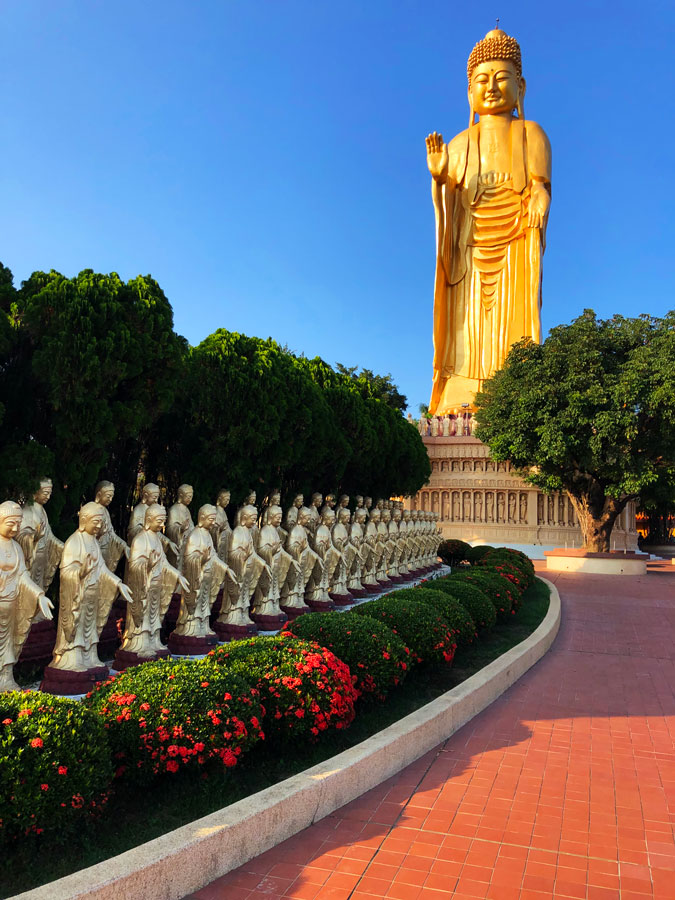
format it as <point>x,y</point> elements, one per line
<point>155,521</point>
<point>105,495</point>
<point>223,499</point>
<point>251,498</point>
<point>92,524</point>
<point>9,526</point>
<point>494,88</point>
<point>386,515</point>
<point>275,516</point>
<point>368,502</point>
<point>150,496</point>
<point>299,500</point>
<point>185,494</point>
<point>275,498</point>
<point>317,500</point>
<point>208,520</point>
<point>44,493</point>
<point>397,514</point>
<point>303,517</point>
<point>375,516</point>
<point>328,518</point>
<point>359,500</point>
<point>360,516</point>
<point>344,516</point>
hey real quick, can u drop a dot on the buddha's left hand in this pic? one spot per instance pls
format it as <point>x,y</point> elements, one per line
<point>540,200</point>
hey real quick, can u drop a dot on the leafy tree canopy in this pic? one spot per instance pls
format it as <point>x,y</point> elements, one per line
<point>591,411</point>
<point>379,387</point>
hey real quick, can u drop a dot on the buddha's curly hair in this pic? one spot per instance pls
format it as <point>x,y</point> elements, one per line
<point>495,45</point>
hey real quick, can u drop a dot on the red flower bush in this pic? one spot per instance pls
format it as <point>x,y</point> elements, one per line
<point>377,658</point>
<point>167,716</point>
<point>513,558</point>
<point>54,765</point>
<point>424,630</point>
<point>306,690</point>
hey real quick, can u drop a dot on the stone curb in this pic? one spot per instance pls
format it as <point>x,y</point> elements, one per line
<point>182,861</point>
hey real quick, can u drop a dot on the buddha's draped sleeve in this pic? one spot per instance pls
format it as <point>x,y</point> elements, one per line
<point>29,594</point>
<point>108,587</point>
<point>137,575</point>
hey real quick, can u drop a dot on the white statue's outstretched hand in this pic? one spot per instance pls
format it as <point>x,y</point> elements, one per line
<point>125,592</point>
<point>437,156</point>
<point>46,606</point>
<point>184,583</point>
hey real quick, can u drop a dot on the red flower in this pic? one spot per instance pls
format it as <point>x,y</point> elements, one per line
<point>36,742</point>
<point>144,707</point>
<point>172,766</point>
<point>63,770</point>
<point>205,684</point>
<point>6,721</point>
<point>300,713</point>
<point>44,787</point>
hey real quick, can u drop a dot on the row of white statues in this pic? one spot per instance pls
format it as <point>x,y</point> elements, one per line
<point>457,425</point>
<point>263,571</point>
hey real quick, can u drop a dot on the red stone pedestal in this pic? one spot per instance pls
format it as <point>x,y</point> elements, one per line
<point>357,593</point>
<point>320,605</point>
<point>40,642</point>
<point>227,632</point>
<point>125,660</point>
<point>269,623</point>
<point>341,599</point>
<point>181,645</point>
<point>372,588</point>
<point>64,682</point>
<point>293,612</point>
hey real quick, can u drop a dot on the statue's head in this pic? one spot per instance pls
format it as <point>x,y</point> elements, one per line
<point>105,491</point>
<point>396,513</point>
<point>495,74</point>
<point>368,502</point>
<point>360,515</point>
<point>185,494</point>
<point>275,497</point>
<point>44,492</point>
<point>298,500</point>
<point>248,515</point>
<point>206,517</point>
<point>274,515</point>
<point>150,493</point>
<point>328,516</point>
<point>250,498</point>
<point>155,517</point>
<point>359,501</point>
<point>91,518</point>
<point>304,515</point>
<point>407,515</point>
<point>330,500</point>
<point>10,519</point>
<point>223,497</point>
<point>344,516</point>
<point>317,499</point>
<point>344,501</point>
<point>375,515</point>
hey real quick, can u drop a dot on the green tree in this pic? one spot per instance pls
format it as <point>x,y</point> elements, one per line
<point>377,387</point>
<point>591,411</point>
<point>96,363</point>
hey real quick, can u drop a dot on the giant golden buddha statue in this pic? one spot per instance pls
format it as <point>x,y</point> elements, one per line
<point>491,188</point>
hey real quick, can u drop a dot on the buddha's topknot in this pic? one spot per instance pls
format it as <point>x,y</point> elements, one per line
<point>495,45</point>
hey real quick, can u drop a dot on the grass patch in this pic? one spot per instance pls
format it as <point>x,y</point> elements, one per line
<point>137,817</point>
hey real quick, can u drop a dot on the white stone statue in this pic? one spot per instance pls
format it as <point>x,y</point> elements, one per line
<point>112,545</point>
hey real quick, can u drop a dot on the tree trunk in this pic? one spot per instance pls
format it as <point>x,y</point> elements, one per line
<point>597,515</point>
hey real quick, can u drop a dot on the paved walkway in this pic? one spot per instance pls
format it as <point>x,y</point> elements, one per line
<point>564,787</point>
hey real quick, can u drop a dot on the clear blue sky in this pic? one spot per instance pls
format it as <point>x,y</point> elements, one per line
<point>265,161</point>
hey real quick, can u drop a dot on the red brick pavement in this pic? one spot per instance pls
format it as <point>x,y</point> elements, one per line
<point>563,788</point>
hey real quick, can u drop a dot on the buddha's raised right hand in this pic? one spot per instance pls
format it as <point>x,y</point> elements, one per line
<point>437,156</point>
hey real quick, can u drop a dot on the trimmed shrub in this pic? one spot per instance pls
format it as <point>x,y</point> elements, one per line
<point>377,658</point>
<point>498,589</point>
<point>426,633</point>
<point>515,575</point>
<point>476,602</point>
<point>473,554</point>
<point>55,766</point>
<point>456,615</point>
<point>163,717</point>
<point>305,688</point>
<point>453,552</point>
<point>513,558</point>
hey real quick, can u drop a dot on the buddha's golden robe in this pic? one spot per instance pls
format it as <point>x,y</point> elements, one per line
<point>487,290</point>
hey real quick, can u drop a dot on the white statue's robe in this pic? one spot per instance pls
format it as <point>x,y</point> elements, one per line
<point>179,524</point>
<point>152,581</point>
<point>19,597</point>
<point>41,548</point>
<point>268,591</point>
<point>112,546</point>
<point>297,546</point>
<point>320,583</point>
<point>88,589</point>
<point>246,566</point>
<point>205,574</point>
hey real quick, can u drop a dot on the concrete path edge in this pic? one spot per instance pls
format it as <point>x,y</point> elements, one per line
<point>185,860</point>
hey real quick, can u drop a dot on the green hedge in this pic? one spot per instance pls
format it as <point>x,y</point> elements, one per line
<point>456,615</point>
<point>376,657</point>
<point>453,552</point>
<point>55,765</point>
<point>476,602</point>
<point>426,633</point>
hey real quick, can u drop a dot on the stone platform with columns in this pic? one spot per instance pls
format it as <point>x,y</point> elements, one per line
<point>483,501</point>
